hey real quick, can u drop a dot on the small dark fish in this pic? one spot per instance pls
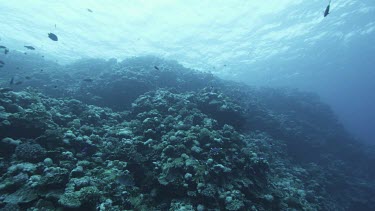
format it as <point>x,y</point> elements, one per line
<point>55,87</point>
<point>126,180</point>
<point>1,46</point>
<point>18,83</point>
<point>1,63</point>
<point>215,150</point>
<point>326,12</point>
<point>89,150</point>
<point>89,10</point>
<point>88,80</point>
<point>29,47</point>
<point>52,36</point>
<point>25,53</point>
<point>11,81</point>
<point>156,67</point>
<point>2,90</point>
<point>28,77</point>
<point>41,70</point>
<point>85,150</point>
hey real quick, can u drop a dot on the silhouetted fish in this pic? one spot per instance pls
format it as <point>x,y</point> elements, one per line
<point>11,81</point>
<point>215,150</point>
<point>89,10</point>
<point>28,77</point>
<point>29,47</point>
<point>52,36</point>
<point>5,49</point>
<point>1,63</point>
<point>156,67</point>
<point>125,179</point>
<point>88,80</point>
<point>326,12</point>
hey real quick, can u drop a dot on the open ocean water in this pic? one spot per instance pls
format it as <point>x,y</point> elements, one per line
<point>187,105</point>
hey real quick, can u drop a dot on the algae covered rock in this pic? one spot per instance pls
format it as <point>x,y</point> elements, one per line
<point>54,177</point>
<point>30,152</point>
<point>22,196</point>
<point>70,200</point>
<point>85,197</point>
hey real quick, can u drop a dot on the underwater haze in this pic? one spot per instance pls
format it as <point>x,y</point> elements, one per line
<point>273,43</point>
<point>187,105</point>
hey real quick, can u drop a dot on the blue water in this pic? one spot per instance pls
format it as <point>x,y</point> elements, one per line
<point>265,43</point>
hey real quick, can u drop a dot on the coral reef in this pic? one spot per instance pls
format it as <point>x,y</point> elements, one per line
<point>170,138</point>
